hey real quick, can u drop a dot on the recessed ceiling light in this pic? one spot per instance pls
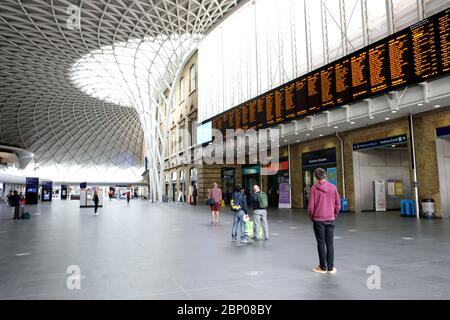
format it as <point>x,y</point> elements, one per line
<point>308,134</point>
<point>420,104</point>
<point>336,127</point>
<point>298,140</point>
<point>371,117</point>
<point>394,111</point>
<point>393,146</point>
<point>285,140</point>
<point>321,135</point>
<point>353,122</point>
<point>437,106</point>
<point>387,118</point>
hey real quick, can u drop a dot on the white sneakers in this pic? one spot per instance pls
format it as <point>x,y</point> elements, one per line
<point>318,269</point>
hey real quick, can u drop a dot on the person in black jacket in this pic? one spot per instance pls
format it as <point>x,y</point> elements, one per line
<point>194,195</point>
<point>239,207</point>
<point>15,203</point>
<point>96,201</point>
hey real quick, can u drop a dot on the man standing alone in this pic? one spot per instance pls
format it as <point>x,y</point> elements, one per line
<point>323,208</point>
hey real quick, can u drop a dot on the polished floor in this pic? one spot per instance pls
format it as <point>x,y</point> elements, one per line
<point>169,251</point>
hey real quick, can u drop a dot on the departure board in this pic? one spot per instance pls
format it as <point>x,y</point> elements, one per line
<point>289,96</point>
<point>327,84</point>
<point>444,41</point>
<point>378,67</point>
<point>252,120</point>
<point>399,57</point>
<point>314,96</point>
<point>244,115</point>
<point>301,97</point>
<point>261,112</point>
<point>424,50</point>
<point>238,117</point>
<point>342,70</point>
<point>279,105</point>
<point>270,108</point>
<point>410,56</point>
<point>360,73</point>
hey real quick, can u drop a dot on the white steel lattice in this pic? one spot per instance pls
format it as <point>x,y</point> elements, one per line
<point>87,95</point>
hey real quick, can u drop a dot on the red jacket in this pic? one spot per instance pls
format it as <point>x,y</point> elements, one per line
<point>324,202</point>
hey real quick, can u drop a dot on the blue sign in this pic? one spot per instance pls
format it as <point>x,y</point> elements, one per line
<point>443,132</point>
<point>382,142</point>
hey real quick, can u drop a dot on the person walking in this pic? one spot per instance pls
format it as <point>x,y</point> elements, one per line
<point>128,197</point>
<point>15,203</point>
<point>9,196</point>
<point>96,201</point>
<point>215,198</point>
<point>260,204</point>
<point>194,195</point>
<point>323,207</point>
<point>238,204</point>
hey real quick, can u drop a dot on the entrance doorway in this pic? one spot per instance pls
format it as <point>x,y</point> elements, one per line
<point>443,158</point>
<point>227,184</point>
<point>325,159</point>
<point>382,174</point>
<point>250,177</point>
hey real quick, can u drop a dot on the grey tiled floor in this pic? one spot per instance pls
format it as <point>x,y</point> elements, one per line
<point>167,251</point>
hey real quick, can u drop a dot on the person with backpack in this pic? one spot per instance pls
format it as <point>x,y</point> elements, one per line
<point>260,204</point>
<point>214,200</point>
<point>323,207</point>
<point>238,204</point>
<point>15,203</point>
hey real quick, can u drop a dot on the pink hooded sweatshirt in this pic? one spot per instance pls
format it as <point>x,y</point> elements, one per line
<point>324,202</point>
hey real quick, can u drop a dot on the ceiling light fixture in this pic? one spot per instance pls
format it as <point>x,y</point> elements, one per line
<point>437,106</point>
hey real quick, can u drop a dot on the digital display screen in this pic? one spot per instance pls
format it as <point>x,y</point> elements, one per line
<point>204,133</point>
<point>410,56</point>
<point>342,70</point>
<point>314,97</point>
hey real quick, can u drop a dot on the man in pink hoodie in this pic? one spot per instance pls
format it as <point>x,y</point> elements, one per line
<point>323,207</point>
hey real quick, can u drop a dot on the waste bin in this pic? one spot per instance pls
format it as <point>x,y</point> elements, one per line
<point>344,205</point>
<point>428,208</point>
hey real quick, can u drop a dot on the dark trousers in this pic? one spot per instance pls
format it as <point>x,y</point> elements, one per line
<point>95,207</point>
<point>324,232</point>
<point>17,212</point>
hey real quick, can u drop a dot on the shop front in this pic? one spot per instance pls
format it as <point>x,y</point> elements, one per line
<point>174,186</point>
<point>278,182</point>
<point>443,159</point>
<point>325,159</point>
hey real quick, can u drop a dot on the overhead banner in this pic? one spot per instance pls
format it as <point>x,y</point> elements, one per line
<point>381,142</point>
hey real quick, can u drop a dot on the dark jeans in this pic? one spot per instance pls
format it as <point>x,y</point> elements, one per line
<point>95,207</point>
<point>324,232</point>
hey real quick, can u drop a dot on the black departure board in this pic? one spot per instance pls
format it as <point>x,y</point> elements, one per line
<point>270,108</point>
<point>301,97</point>
<point>252,114</point>
<point>261,112</point>
<point>279,105</point>
<point>244,115</point>
<point>378,67</point>
<point>327,84</point>
<point>412,55</point>
<point>342,70</point>
<point>289,99</point>
<point>424,50</point>
<point>444,41</point>
<point>314,96</point>
<point>360,75</point>
<point>238,117</point>
<point>399,60</point>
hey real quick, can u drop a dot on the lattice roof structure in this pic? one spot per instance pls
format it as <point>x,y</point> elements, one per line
<point>60,97</point>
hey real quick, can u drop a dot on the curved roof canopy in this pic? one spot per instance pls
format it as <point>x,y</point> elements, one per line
<point>77,77</point>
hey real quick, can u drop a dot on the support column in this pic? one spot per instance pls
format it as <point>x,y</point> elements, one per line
<point>414,164</point>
